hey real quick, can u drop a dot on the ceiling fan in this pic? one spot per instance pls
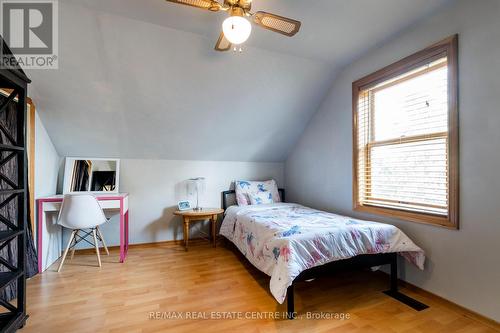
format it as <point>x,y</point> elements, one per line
<point>236,28</point>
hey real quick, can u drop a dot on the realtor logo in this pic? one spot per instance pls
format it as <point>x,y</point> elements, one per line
<point>30,28</point>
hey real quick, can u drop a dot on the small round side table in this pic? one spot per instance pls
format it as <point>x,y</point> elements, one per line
<point>199,215</point>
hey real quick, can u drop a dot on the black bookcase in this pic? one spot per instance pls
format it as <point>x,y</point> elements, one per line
<point>13,192</point>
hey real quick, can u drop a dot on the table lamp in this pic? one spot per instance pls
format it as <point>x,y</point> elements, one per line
<point>196,185</point>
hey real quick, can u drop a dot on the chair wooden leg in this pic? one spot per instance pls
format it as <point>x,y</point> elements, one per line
<point>94,233</point>
<point>74,245</point>
<point>99,233</point>
<point>66,251</point>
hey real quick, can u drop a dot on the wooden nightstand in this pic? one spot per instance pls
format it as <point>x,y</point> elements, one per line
<point>199,215</point>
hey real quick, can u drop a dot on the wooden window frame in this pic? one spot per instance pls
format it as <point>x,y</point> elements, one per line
<point>448,47</point>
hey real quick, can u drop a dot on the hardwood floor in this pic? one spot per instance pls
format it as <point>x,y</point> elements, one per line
<point>163,278</point>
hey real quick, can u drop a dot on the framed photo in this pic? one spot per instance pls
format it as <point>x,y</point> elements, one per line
<point>184,205</point>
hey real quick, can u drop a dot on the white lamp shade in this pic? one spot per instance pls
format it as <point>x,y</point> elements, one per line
<point>236,29</point>
<point>196,185</point>
<point>196,189</point>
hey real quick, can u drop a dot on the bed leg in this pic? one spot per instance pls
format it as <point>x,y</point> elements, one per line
<point>393,291</point>
<point>394,273</point>
<point>290,303</point>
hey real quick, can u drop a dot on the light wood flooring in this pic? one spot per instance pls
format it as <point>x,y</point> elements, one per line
<point>163,278</point>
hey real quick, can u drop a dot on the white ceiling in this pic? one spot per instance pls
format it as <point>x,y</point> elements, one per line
<point>140,79</point>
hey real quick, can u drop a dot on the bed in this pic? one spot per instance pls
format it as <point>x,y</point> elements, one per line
<point>292,243</point>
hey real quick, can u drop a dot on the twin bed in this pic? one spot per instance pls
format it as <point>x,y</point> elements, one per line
<point>292,243</point>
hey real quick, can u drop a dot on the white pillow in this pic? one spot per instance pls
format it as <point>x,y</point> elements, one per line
<point>261,198</point>
<point>244,189</point>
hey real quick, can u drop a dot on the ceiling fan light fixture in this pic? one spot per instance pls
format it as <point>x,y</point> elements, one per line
<point>236,28</point>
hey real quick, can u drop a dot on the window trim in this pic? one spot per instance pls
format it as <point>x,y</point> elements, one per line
<point>448,47</point>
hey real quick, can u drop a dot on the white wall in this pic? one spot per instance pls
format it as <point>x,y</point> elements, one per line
<point>155,187</point>
<point>463,265</point>
<point>47,164</point>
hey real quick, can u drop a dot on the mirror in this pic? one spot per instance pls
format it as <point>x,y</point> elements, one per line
<point>98,175</point>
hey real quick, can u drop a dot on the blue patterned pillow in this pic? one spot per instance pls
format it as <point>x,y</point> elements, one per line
<point>245,189</point>
<point>261,198</point>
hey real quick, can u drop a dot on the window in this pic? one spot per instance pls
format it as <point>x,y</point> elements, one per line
<point>405,133</point>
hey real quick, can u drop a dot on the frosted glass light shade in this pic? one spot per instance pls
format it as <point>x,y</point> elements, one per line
<point>236,29</point>
<point>196,186</point>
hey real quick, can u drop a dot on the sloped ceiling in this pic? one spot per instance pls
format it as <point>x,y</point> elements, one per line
<point>140,79</point>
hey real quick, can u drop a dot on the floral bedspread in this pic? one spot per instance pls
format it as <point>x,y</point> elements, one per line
<point>283,239</point>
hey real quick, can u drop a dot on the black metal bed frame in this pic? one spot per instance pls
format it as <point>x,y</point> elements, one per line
<point>351,264</point>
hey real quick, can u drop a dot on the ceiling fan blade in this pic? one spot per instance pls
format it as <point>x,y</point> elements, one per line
<point>211,5</point>
<point>222,43</point>
<point>245,4</point>
<point>276,23</point>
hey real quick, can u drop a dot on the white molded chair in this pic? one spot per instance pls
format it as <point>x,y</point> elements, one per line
<point>79,212</point>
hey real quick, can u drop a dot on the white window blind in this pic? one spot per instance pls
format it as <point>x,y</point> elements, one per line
<point>402,141</point>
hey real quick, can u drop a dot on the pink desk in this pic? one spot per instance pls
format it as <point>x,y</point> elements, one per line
<point>48,254</point>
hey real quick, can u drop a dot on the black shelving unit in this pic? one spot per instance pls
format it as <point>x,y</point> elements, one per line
<point>14,192</point>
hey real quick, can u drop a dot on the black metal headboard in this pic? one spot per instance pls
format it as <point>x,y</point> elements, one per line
<point>229,197</point>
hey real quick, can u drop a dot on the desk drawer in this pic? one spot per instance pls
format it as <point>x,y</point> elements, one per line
<point>105,204</point>
<point>109,204</point>
<point>52,206</point>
